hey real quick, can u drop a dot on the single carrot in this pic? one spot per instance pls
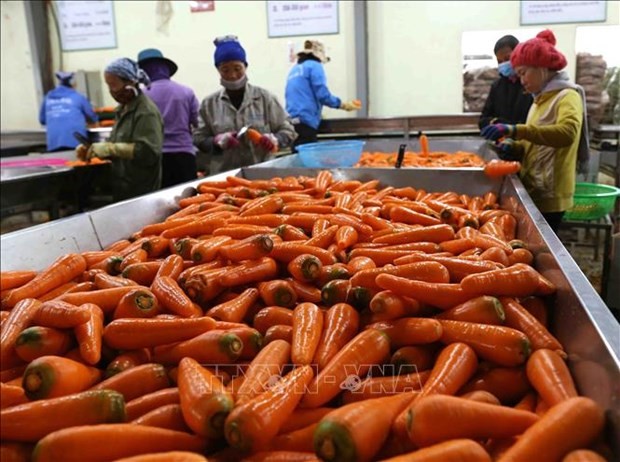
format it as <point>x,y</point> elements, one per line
<point>368,347</point>
<point>519,255</point>
<point>519,318</point>
<point>204,286</point>
<point>410,331</point>
<point>251,338</point>
<point>106,299</point>
<point>106,281</point>
<point>357,431</point>
<point>11,395</point>
<point>249,272</point>
<point>387,306</point>
<point>93,442</point>
<point>341,323</point>
<point>483,310</point>
<point>549,375</point>
<point>127,360</point>
<point>205,403</point>
<point>570,425</point>
<point>168,416</point>
<point>212,347</point>
<point>250,426</point>
<point>468,419</point>
<point>251,248</point>
<point>60,315</point>
<point>271,316</point>
<point>375,387</point>
<point>323,238</point>
<point>19,319</point>
<point>290,233</point>
<point>131,334</point>
<point>136,381</point>
<point>139,255</point>
<point>287,251</point>
<point>428,271</point>
<point>278,292</point>
<point>206,250</point>
<point>307,330</point>
<point>305,267</point>
<point>498,168</point>
<point>61,271</point>
<point>458,268</point>
<point>508,384</point>
<point>171,267</point>
<point>29,422</point>
<point>278,332</point>
<point>357,264</point>
<point>435,233</point>
<point>463,450</point>
<point>306,292</point>
<point>297,440</point>
<point>14,279</point>
<point>151,401</point>
<point>406,215</point>
<point>583,455</point>
<point>502,345</point>
<point>336,291</point>
<point>440,295</point>
<point>37,341</point>
<point>67,288</point>
<point>410,359</point>
<point>155,246</point>
<point>267,365</point>
<point>138,303</point>
<point>142,273</point>
<point>235,310</point>
<point>171,297</point>
<point>89,334</point>
<point>54,376</point>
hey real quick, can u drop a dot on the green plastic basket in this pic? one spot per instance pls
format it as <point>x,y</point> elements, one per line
<point>592,201</point>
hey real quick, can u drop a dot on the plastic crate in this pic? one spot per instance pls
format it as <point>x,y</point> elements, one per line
<point>330,154</point>
<point>592,201</point>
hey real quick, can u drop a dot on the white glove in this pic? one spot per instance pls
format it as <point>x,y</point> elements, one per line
<point>226,140</point>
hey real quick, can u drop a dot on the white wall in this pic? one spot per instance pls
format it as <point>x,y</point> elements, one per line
<point>19,106</point>
<point>415,62</point>
<point>189,42</point>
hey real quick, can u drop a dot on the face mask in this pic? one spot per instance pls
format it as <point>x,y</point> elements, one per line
<point>234,84</point>
<point>125,95</point>
<point>505,69</point>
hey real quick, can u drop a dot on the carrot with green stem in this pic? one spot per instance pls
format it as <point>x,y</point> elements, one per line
<point>205,403</point>
<point>356,431</point>
<point>171,297</point>
<point>211,347</point>
<point>307,330</point>
<point>251,338</point>
<point>133,333</point>
<point>306,292</point>
<point>355,357</point>
<point>278,292</point>
<point>518,280</point>
<point>106,299</point>
<point>250,426</point>
<point>570,425</point>
<point>30,422</point>
<point>37,341</point>
<point>267,364</point>
<point>235,310</point>
<point>483,310</point>
<point>127,360</point>
<point>138,303</point>
<point>136,381</point>
<point>250,248</point>
<point>550,376</point>
<point>54,376</point>
<point>249,272</point>
<point>92,442</point>
<point>336,291</point>
<point>305,267</point>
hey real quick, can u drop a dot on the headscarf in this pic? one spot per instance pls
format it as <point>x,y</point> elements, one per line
<point>65,78</point>
<point>539,52</point>
<point>227,49</point>
<point>128,69</point>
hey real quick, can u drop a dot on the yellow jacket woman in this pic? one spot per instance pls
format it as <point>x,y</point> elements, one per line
<point>554,137</point>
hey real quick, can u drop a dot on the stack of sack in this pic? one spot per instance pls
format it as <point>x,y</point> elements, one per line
<point>591,71</point>
<point>476,86</point>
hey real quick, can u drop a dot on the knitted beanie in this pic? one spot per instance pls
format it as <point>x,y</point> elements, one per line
<point>539,52</point>
<point>228,49</point>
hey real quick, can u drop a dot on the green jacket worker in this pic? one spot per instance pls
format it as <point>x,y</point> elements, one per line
<point>135,144</point>
<point>554,136</point>
<point>237,105</point>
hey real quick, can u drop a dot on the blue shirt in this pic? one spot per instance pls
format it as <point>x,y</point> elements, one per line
<point>307,92</point>
<point>65,111</point>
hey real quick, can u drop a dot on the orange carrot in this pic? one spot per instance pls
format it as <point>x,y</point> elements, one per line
<point>106,299</point>
<point>569,425</point>
<point>306,292</point>
<point>278,292</point>
<point>518,280</point>
<point>549,375</point>
<point>463,450</point>
<point>212,347</point>
<point>37,341</point>
<point>278,332</point>
<point>498,168</point>
<point>271,316</point>
<point>50,415</point>
<point>131,334</point>
<point>142,273</point>
<point>13,279</point>
<point>136,381</point>
<point>248,272</point>
<point>168,416</point>
<point>410,331</point>
<point>441,295</point>
<point>483,310</point>
<point>287,251</point>
<point>252,425</point>
<point>204,401</point>
<point>307,330</point>
<point>413,358</point>
<point>19,318</point>
<point>127,360</point>
<point>89,334</point>
<point>428,271</point>
<point>235,310</point>
<point>251,248</point>
<point>508,384</point>
<point>341,323</point>
<point>305,267</point>
<point>54,376</point>
<point>375,387</point>
<point>59,314</point>
<point>11,395</point>
<point>583,455</point>
<point>138,303</point>
<point>151,401</point>
<point>172,297</point>
<point>436,233</point>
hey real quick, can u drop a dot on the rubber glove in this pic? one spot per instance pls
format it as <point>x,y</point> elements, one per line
<point>505,149</point>
<point>268,142</point>
<point>106,150</point>
<point>81,151</point>
<point>350,105</point>
<point>497,131</point>
<point>226,140</point>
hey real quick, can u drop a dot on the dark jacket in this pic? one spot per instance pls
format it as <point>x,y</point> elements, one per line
<point>507,103</point>
<point>138,122</point>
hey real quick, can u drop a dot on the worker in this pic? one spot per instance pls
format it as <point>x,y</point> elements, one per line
<point>239,105</point>
<point>507,101</point>
<point>555,135</point>
<point>307,92</point>
<point>65,111</point>
<point>136,140</point>
<point>178,106</point>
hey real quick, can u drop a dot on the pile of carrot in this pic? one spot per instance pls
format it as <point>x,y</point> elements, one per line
<point>294,319</point>
<point>82,163</point>
<point>432,159</point>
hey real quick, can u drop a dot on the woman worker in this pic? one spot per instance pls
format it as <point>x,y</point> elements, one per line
<point>554,137</point>
<point>65,111</point>
<point>135,144</point>
<point>507,102</point>
<point>307,92</point>
<point>237,105</point>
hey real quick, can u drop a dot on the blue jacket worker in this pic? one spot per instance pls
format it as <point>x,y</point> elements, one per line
<point>65,111</point>
<point>307,92</point>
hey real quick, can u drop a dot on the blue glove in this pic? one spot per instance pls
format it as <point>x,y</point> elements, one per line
<point>497,131</point>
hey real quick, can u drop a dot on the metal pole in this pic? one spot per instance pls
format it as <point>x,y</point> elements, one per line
<point>360,12</point>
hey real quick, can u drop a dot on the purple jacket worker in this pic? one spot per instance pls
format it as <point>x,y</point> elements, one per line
<point>179,109</point>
